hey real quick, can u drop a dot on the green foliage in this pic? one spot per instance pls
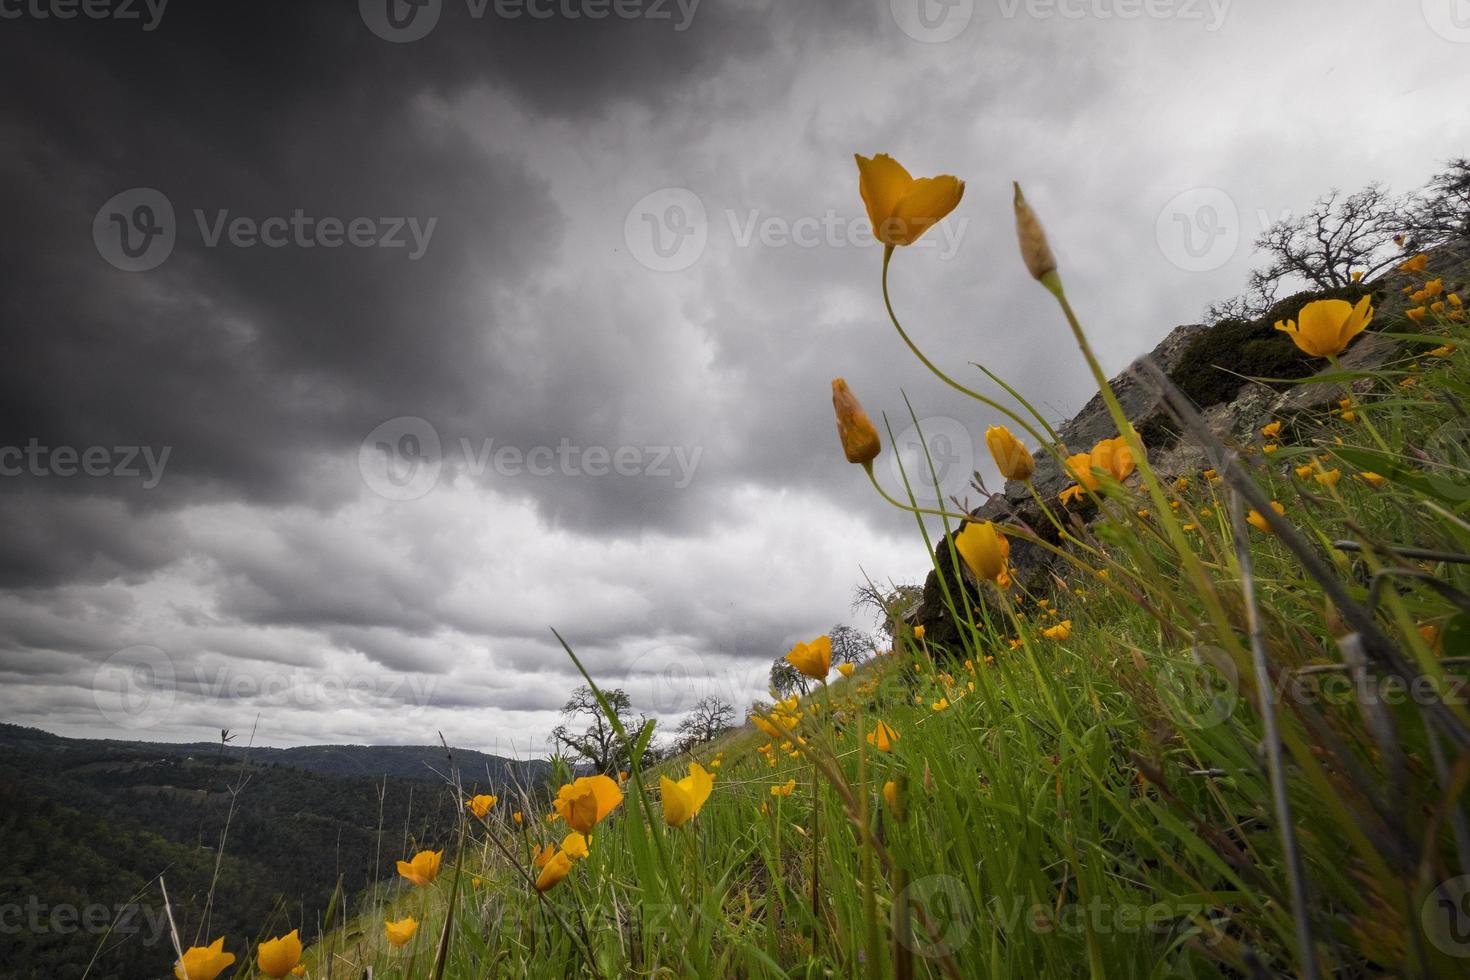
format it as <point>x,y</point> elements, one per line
<point>1214,366</point>
<point>89,826</point>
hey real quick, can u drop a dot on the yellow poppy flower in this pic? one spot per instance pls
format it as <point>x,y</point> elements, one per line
<point>890,796</point>
<point>480,805</point>
<point>1272,430</point>
<point>882,737</point>
<point>1060,631</point>
<point>813,659</point>
<point>555,869</point>
<point>918,632</point>
<point>516,817</point>
<point>900,207</point>
<point>1324,328</point>
<point>984,549</point>
<point>1417,314</point>
<point>423,869</point>
<point>278,957</point>
<point>204,962</point>
<point>1417,264</point>
<point>574,845</point>
<point>1259,522</point>
<point>401,931</point>
<point>784,789</point>
<point>860,442</point>
<point>683,799</point>
<point>845,669</point>
<point>1010,456</point>
<point>585,801</point>
<point>1372,479</point>
<point>1080,466</point>
<point>1329,478</point>
<point>1114,458</point>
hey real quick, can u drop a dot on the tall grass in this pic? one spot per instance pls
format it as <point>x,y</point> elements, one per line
<point>1102,801</point>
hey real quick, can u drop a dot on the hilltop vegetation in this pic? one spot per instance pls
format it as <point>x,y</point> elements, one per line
<point>87,828</point>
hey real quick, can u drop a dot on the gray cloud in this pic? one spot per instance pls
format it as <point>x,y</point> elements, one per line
<point>272,565</point>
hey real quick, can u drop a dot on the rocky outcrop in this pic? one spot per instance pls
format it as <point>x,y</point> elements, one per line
<point>1214,365</point>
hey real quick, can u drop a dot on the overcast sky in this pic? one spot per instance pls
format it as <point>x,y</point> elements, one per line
<point>349,348</point>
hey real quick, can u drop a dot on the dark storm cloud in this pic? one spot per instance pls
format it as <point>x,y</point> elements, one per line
<point>508,152</point>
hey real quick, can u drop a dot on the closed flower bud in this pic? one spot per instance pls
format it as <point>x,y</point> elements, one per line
<point>1014,461</point>
<point>1035,251</point>
<point>859,438</point>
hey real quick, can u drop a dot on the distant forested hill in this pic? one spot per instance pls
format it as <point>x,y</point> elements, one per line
<point>87,827</point>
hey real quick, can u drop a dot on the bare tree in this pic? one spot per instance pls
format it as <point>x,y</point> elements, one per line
<point>850,646</point>
<point>890,607</point>
<point>598,743</point>
<point>709,718</point>
<point>1442,212</point>
<point>1323,247</point>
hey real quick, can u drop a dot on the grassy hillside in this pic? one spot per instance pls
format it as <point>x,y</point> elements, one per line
<point>87,828</point>
<point>1086,783</point>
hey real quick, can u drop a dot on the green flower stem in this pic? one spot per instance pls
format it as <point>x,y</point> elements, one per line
<point>1192,567</point>
<point>868,467</point>
<point>1363,413</point>
<point>934,369</point>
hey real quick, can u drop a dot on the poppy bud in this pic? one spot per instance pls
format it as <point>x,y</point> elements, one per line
<point>1035,251</point>
<point>860,440</point>
<point>1014,461</point>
